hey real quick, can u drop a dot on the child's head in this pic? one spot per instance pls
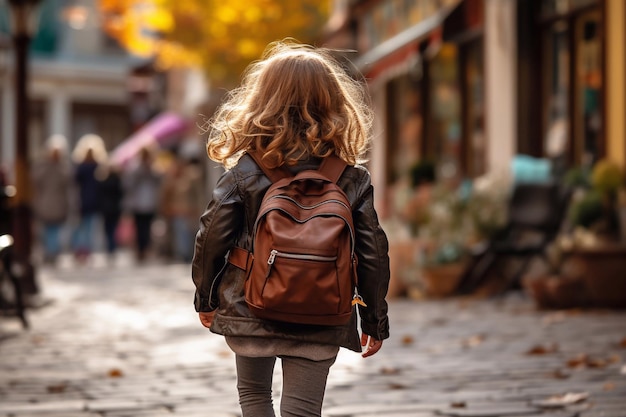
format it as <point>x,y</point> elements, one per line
<point>296,102</point>
<point>56,146</point>
<point>89,148</point>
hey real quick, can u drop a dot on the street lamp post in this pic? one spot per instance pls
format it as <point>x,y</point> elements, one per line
<point>22,18</point>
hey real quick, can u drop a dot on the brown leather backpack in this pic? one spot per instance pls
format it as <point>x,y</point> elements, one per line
<point>302,267</point>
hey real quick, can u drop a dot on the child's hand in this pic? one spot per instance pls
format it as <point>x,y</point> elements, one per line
<point>207,318</point>
<point>372,344</point>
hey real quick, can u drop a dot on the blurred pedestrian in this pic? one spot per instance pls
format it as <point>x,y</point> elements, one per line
<point>52,182</point>
<point>111,194</point>
<point>88,154</point>
<point>295,107</point>
<point>142,183</point>
<point>180,195</point>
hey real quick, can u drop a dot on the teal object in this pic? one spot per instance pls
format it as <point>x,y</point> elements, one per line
<point>527,169</point>
<point>45,40</point>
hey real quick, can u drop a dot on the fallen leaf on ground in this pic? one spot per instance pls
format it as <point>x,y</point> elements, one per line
<point>394,386</point>
<point>623,343</point>
<point>609,386</point>
<point>458,404</point>
<point>564,400</point>
<point>115,373</point>
<point>596,363</point>
<point>578,361</point>
<point>407,340</point>
<point>390,371</point>
<point>615,359</point>
<point>560,374</point>
<point>56,389</point>
<point>585,361</point>
<point>38,340</point>
<point>543,349</point>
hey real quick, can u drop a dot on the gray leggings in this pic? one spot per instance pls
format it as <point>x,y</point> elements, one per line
<point>304,384</point>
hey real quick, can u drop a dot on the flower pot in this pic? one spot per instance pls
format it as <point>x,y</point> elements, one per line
<point>602,270</point>
<point>557,292</point>
<point>442,280</point>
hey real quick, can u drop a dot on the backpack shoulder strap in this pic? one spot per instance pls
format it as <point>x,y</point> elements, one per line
<point>274,175</point>
<point>332,167</point>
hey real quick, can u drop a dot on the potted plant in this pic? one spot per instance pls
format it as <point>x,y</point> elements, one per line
<point>593,250</point>
<point>595,207</point>
<point>455,219</point>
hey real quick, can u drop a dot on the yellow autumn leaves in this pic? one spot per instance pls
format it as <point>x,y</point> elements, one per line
<point>222,37</point>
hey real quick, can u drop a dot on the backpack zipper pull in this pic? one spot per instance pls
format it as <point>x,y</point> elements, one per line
<point>270,262</point>
<point>272,257</point>
<point>358,300</point>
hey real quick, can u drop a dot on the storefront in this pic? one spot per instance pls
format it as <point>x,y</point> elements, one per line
<point>424,62</point>
<point>562,85</point>
<point>77,83</point>
<point>431,76</point>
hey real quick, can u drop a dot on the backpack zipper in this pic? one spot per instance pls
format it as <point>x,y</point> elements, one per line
<point>352,234</point>
<point>331,200</point>
<point>300,256</point>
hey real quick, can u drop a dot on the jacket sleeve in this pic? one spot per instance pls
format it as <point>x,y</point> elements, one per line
<point>219,225</point>
<point>372,250</point>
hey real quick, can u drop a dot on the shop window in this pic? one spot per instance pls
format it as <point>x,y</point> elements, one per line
<point>405,142</point>
<point>475,146</point>
<point>404,125</point>
<point>572,82</point>
<point>444,141</point>
<point>556,89</point>
<point>588,87</point>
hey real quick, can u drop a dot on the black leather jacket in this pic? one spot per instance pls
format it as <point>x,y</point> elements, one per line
<point>228,221</point>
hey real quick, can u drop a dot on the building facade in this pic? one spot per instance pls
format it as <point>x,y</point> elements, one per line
<point>574,52</point>
<point>470,84</point>
<point>79,80</point>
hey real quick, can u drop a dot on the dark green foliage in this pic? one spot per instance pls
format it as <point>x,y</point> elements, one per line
<point>588,211</point>
<point>423,172</point>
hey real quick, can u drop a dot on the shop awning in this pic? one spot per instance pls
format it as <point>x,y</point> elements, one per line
<point>161,130</point>
<point>402,40</point>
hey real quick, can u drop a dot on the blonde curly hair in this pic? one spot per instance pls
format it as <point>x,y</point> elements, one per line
<point>296,102</point>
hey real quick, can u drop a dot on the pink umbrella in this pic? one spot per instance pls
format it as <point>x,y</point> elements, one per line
<point>161,130</point>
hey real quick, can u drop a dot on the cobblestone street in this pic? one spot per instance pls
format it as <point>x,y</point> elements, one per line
<point>123,340</point>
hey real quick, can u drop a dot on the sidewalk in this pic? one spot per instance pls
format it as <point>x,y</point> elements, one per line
<point>123,340</point>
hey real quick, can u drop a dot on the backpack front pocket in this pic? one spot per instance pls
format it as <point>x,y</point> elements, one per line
<point>290,284</point>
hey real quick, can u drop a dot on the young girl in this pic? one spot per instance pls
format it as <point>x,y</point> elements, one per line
<point>295,107</point>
